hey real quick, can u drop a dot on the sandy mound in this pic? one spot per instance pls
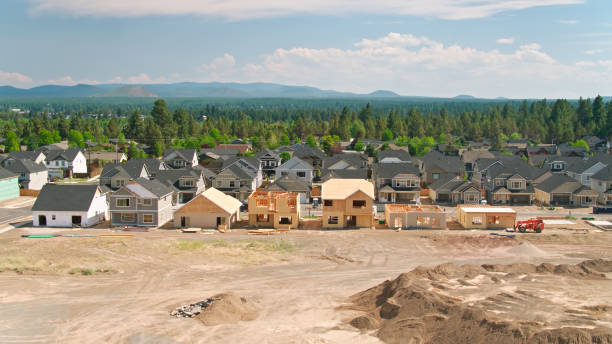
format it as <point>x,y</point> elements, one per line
<point>600,265</point>
<point>407,310</point>
<point>227,308</point>
<point>473,242</point>
<point>525,249</point>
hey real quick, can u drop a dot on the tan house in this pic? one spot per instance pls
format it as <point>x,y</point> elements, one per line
<point>211,209</point>
<point>276,209</point>
<point>482,217</point>
<point>347,203</point>
<point>397,182</point>
<point>407,216</point>
<point>562,190</point>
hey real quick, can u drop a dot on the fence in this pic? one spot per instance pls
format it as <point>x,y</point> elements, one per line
<point>28,192</point>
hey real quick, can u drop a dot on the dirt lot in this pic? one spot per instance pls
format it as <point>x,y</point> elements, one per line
<point>121,290</point>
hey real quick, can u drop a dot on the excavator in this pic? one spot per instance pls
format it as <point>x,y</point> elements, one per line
<point>535,225</point>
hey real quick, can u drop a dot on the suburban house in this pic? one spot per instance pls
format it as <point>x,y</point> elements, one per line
<point>393,156</point>
<point>291,184</point>
<point>562,190</point>
<point>186,183</point>
<point>435,165</point>
<point>35,156</point>
<point>105,157</point>
<point>296,168</point>
<point>209,154</point>
<point>602,183</point>
<point>347,203</point>
<point>141,202</point>
<point>360,173</point>
<point>407,216</point>
<point>448,150</point>
<point>565,149</point>
<point>275,209</point>
<point>345,161</point>
<point>66,163</point>
<point>114,176</point>
<point>239,177</point>
<point>269,161</point>
<point>32,176</point>
<point>311,155</point>
<point>482,217</point>
<point>542,149</point>
<point>454,190</point>
<point>397,182</point>
<point>583,169</point>
<point>596,144</point>
<point>211,209</point>
<point>180,158</point>
<point>513,184</point>
<point>69,205</point>
<point>241,147</point>
<point>9,185</point>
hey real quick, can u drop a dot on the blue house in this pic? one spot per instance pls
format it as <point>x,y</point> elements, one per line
<point>9,185</point>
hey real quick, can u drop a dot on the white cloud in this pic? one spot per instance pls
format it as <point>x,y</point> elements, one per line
<point>508,40</point>
<point>14,79</point>
<point>246,9</point>
<point>568,22</point>
<point>413,65</point>
<point>594,51</point>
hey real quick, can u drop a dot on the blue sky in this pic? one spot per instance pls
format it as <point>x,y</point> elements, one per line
<point>487,48</point>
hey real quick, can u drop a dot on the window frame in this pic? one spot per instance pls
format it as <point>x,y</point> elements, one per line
<point>127,199</point>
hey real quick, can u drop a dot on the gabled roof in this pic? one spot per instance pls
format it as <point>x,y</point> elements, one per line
<point>172,177</point>
<point>288,183</point>
<point>559,183</point>
<point>65,197</point>
<point>185,154</point>
<point>356,160</point>
<point>295,163</point>
<point>133,168</point>
<point>25,166</point>
<point>358,173</point>
<point>146,188</point>
<point>564,147</point>
<point>391,170</point>
<point>302,151</point>
<point>242,167</point>
<point>30,155</point>
<point>227,203</point>
<point>442,182</point>
<point>399,154</point>
<point>265,152</point>
<point>521,168</point>
<point>5,174</point>
<point>219,152</point>
<point>605,174</point>
<point>449,164</point>
<point>339,189</point>
<point>57,154</point>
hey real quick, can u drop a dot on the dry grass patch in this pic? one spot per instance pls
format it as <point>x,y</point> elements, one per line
<point>238,252</point>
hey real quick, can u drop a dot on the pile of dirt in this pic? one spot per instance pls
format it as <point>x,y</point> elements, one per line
<point>407,310</point>
<point>227,308</point>
<point>526,249</point>
<point>190,311</point>
<point>473,242</point>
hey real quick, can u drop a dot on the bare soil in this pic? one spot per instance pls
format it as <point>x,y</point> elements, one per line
<point>298,285</point>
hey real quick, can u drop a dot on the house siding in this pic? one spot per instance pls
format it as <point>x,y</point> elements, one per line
<point>9,188</point>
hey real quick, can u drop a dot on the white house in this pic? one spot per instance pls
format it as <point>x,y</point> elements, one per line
<point>69,205</point>
<point>296,168</point>
<point>65,163</point>
<point>179,158</point>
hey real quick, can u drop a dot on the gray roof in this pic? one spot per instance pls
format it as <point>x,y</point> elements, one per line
<point>59,154</point>
<point>155,187</point>
<point>449,164</point>
<point>303,150</point>
<point>171,177</point>
<point>400,154</point>
<point>294,163</point>
<point>353,159</point>
<point>242,167</point>
<point>4,174</point>
<point>288,183</point>
<point>359,173</point>
<point>559,183</point>
<point>604,174</point>
<point>65,197</point>
<point>569,148</point>
<point>443,180</point>
<point>391,170</point>
<point>186,154</point>
<point>25,166</point>
<point>31,155</point>
<point>515,167</point>
<point>266,151</point>
<point>220,151</point>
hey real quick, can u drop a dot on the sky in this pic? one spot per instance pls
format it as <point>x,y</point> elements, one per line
<point>485,48</point>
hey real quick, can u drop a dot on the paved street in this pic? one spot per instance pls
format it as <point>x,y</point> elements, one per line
<point>15,209</point>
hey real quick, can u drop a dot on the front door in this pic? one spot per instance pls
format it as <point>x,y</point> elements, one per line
<point>42,220</point>
<point>351,221</point>
<point>219,221</point>
<point>183,221</point>
<point>76,220</point>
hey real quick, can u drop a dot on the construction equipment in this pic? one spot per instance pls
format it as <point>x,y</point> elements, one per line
<point>535,225</point>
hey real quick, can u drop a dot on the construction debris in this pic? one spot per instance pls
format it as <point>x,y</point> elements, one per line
<point>190,311</point>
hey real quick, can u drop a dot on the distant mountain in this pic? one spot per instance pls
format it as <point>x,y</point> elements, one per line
<point>464,96</point>
<point>383,94</point>
<point>128,91</point>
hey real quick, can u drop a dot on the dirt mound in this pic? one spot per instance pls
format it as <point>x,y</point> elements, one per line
<point>227,308</point>
<point>600,265</point>
<point>475,241</point>
<point>407,310</point>
<point>525,249</point>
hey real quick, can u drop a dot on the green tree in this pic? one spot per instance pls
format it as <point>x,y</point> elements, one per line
<point>357,130</point>
<point>75,139</point>
<point>285,156</point>
<point>387,135</point>
<point>158,149</point>
<point>45,137</point>
<point>310,141</point>
<point>284,140</point>
<point>359,146</point>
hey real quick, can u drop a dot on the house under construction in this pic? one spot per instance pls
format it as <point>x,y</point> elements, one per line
<point>409,216</point>
<point>274,209</point>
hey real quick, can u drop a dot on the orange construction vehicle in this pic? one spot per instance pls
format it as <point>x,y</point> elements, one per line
<point>535,225</point>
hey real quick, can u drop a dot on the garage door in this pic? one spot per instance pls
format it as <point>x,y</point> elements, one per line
<point>561,199</point>
<point>443,197</point>
<point>519,199</point>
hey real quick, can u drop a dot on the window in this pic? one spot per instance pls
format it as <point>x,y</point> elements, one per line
<point>128,217</point>
<point>471,198</point>
<point>63,163</point>
<point>557,166</point>
<point>332,220</point>
<point>232,184</point>
<point>147,202</point>
<point>476,220</point>
<point>493,220</point>
<point>147,218</point>
<point>400,183</point>
<point>359,204</point>
<point>53,217</point>
<point>328,203</point>
<point>516,185</point>
<point>262,202</point>
<point>119,182</point>
<point>499,182</point>
<point>301,174</point>
<point>219,184</point>
<point>123,202</point>
<point>263,218</point>
<point>285,220</point>
<point>188,183</point>
<point>284,173</point>
<point>435,176</point>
